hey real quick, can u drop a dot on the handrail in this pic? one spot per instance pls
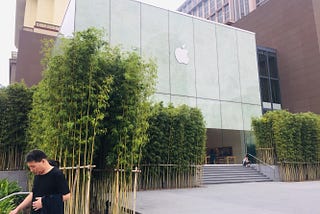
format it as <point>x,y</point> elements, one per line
<point>296,162</point>
<point>264,163</point>
<point>13,194</point>
<point>274,176</point>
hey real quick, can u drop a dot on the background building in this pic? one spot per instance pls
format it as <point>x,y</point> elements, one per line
<point>12,66</point>
<point>296,39</point>
<point>200,63</point>
<point>35,20</point>
<point>223,11</point>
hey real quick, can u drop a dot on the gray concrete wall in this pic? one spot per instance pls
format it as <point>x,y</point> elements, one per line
<point>19,176</point>
<point>271,172</point>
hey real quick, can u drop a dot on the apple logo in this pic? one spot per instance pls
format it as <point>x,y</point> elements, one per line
<point>182,55</point>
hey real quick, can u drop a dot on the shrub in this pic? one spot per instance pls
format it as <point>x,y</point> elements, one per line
<point>6,188</point>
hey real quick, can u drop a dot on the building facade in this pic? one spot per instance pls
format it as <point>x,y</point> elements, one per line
<point>222,11</point>
<point>200,63</point>
<point>296,39</point>
<point>35,20</point>
<point>12,66</point>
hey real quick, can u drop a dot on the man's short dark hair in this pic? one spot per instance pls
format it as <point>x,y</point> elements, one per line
<point>36,155</point>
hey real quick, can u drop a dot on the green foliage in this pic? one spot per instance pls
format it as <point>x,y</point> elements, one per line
<point>295,137</point>
<point>70,103</point>
<point>92,103</point>
<point>129,108</point>
<point>176,136</point>
<point>6,188</point>
<point>15,104</point>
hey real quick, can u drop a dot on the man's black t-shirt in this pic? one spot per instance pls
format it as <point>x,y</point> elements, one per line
<point>52,183</point>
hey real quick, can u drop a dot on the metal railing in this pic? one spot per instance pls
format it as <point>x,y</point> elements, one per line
<point>13,194</point>
<point>266,169</point>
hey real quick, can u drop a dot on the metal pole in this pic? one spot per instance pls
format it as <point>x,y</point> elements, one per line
<point>13,194</point>
<point>136,171</point>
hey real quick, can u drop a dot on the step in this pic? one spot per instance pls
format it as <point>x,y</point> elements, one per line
<point>235,181</point>
<point>233,176</point>
<point>231,173</point>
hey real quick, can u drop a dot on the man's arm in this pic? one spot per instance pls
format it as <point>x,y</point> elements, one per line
<point>66,197</point>
<point>24,204</point>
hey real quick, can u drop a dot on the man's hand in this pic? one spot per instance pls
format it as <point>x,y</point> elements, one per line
<point>24,204</point>
<point>37,204</point>
<point>15,211</point>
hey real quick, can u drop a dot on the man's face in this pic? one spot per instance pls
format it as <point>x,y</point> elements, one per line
<point>36,168</point>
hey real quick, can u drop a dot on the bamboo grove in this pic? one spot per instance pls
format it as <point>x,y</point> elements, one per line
<point>15,104</point>
<point>293,140</point>
<point>92,98</point>
<point>176,148</point>
<point>92,112</point>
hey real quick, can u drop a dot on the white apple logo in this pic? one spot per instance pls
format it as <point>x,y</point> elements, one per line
<point>182,55</point>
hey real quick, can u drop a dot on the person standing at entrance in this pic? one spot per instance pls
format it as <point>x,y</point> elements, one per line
<point>50,188</point>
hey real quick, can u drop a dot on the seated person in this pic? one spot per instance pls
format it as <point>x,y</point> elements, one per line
<point>245,161</point>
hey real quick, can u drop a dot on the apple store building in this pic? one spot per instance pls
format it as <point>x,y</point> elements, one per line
<point>201,63</point>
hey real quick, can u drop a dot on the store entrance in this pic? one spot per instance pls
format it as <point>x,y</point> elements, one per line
<point>225,146</point>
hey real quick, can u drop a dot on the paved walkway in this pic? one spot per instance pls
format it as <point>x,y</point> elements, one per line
<point>244,198</point>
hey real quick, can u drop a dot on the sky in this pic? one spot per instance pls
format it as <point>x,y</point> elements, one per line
<point>7,23</point>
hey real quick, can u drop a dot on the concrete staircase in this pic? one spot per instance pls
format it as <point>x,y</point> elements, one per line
<point>231,173</point>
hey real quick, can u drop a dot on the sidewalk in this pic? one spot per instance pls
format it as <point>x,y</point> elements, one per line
<point>242,198</point>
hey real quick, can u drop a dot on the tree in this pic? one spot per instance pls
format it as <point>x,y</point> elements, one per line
<point>92,105</point>
<point>177,135</point>
<point>15,105</point>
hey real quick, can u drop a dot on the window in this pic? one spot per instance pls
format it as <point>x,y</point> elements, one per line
<point>188,6</point>
<point>213,17</point>
<point>195,12</point>
<point>219,4</point>
<point>200,10</point>
<point>262,61</point>
<point>241,8</point>
<point>258,2</point>
<point>220,16</point>
<point>226,13</point>
<point>275,89</point>
<point>206,8</point>
<point>273,66</point>
<point>246,4</point>
<point>212,6</point>
<point>269,81</point>
<point>265,90</point>
<point>236,10</point>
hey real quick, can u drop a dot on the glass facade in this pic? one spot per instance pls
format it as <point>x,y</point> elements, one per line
<point>200,63</point>
<point>242,12</point>
<point>212,6</point>
<point>206,8</point>
<point>226,13</point>
<point>231,10</point>
<point>220,16</point>
<point>200,9</point>
<point>219,4</point>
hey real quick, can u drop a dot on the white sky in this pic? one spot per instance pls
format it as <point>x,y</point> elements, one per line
<point>7,24</point>
<point>167,4</point>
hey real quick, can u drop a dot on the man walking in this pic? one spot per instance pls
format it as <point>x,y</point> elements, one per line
<point>50,188</point>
